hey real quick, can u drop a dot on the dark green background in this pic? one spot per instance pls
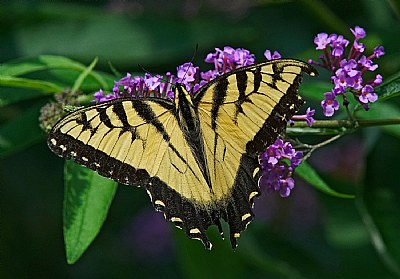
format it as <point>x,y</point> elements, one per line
<point>309,235</point>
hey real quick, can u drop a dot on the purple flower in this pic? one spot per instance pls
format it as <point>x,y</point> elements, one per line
<point>379,51</point>
<point>125,81</point>
<point>367,63</point>
<point>211,57</point>
<point>340,81</point>
<point>278,163</point>
<point>286,185</point>
<point>308,117</point>
<point>228,59</point>
<point>367,94</point>
<point>338,44</point>
<point>100,97</point>
<point>349,67</point>
<point>355,82</point>
<point>329,104</point>
<point>358,32</point>
<point>338,40</point>
<point>321,40</point>
<point>209,75</point>
<point>128,86</point>
<point>152,82</point>
<point>338,51</point>
<point>273,154</point>
<point>359,47</point>
<point>229,54</point>
<point>186,73</point>
<point>268,55</point>
<point>243,57</point>
<point>165,88</point>
<point>377,80</point>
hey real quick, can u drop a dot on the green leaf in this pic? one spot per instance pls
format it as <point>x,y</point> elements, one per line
<point>40,63</point>
<point>389,88</point>
<point>21,131</point>
<point>86,203</point>
<point>47,62</point>
<point>57,73</point>
<point>378,202</point>
<point>83,75</point>
<point>16,69</point>
<point>11,95</point>
<point>383,110</point>
<point>61,62</point>
<point>305,171</point>
<point>29,83</point>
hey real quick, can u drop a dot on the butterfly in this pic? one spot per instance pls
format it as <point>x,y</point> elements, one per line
<point>197,156</point>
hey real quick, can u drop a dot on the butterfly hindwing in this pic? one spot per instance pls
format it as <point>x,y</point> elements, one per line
<point>197,157</point>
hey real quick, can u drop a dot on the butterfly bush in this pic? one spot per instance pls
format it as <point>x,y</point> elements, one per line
<point>348,70</point>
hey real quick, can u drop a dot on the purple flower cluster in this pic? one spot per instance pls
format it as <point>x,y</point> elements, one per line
<point>139,87</point>
<point>229,59</point>
<point>278,163</point>
<point>187,74</point>
<point>308,117</point>
<point>347,71</point>
<point>271,56</point>
<point>224,60</point>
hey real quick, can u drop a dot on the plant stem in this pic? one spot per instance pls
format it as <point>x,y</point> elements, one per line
<point>361,123</point>
<point>312,148</point>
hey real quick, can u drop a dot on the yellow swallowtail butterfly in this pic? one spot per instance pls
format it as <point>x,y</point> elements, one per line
<point>196,156</point>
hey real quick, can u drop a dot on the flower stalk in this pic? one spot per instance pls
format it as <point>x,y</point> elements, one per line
<point>360,123</point>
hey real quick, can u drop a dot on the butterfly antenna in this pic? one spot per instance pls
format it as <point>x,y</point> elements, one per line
<point>144,70</point>
<point>191,60</point>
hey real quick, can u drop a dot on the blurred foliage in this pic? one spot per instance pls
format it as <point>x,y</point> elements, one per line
<point>309,235</point>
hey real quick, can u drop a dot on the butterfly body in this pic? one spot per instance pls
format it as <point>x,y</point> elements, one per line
<point>196,156</point>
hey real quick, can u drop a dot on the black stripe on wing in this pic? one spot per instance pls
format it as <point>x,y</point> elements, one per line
<point>276,123</point>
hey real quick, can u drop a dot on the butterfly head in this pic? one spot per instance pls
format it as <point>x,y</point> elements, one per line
<point>182,96</point>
